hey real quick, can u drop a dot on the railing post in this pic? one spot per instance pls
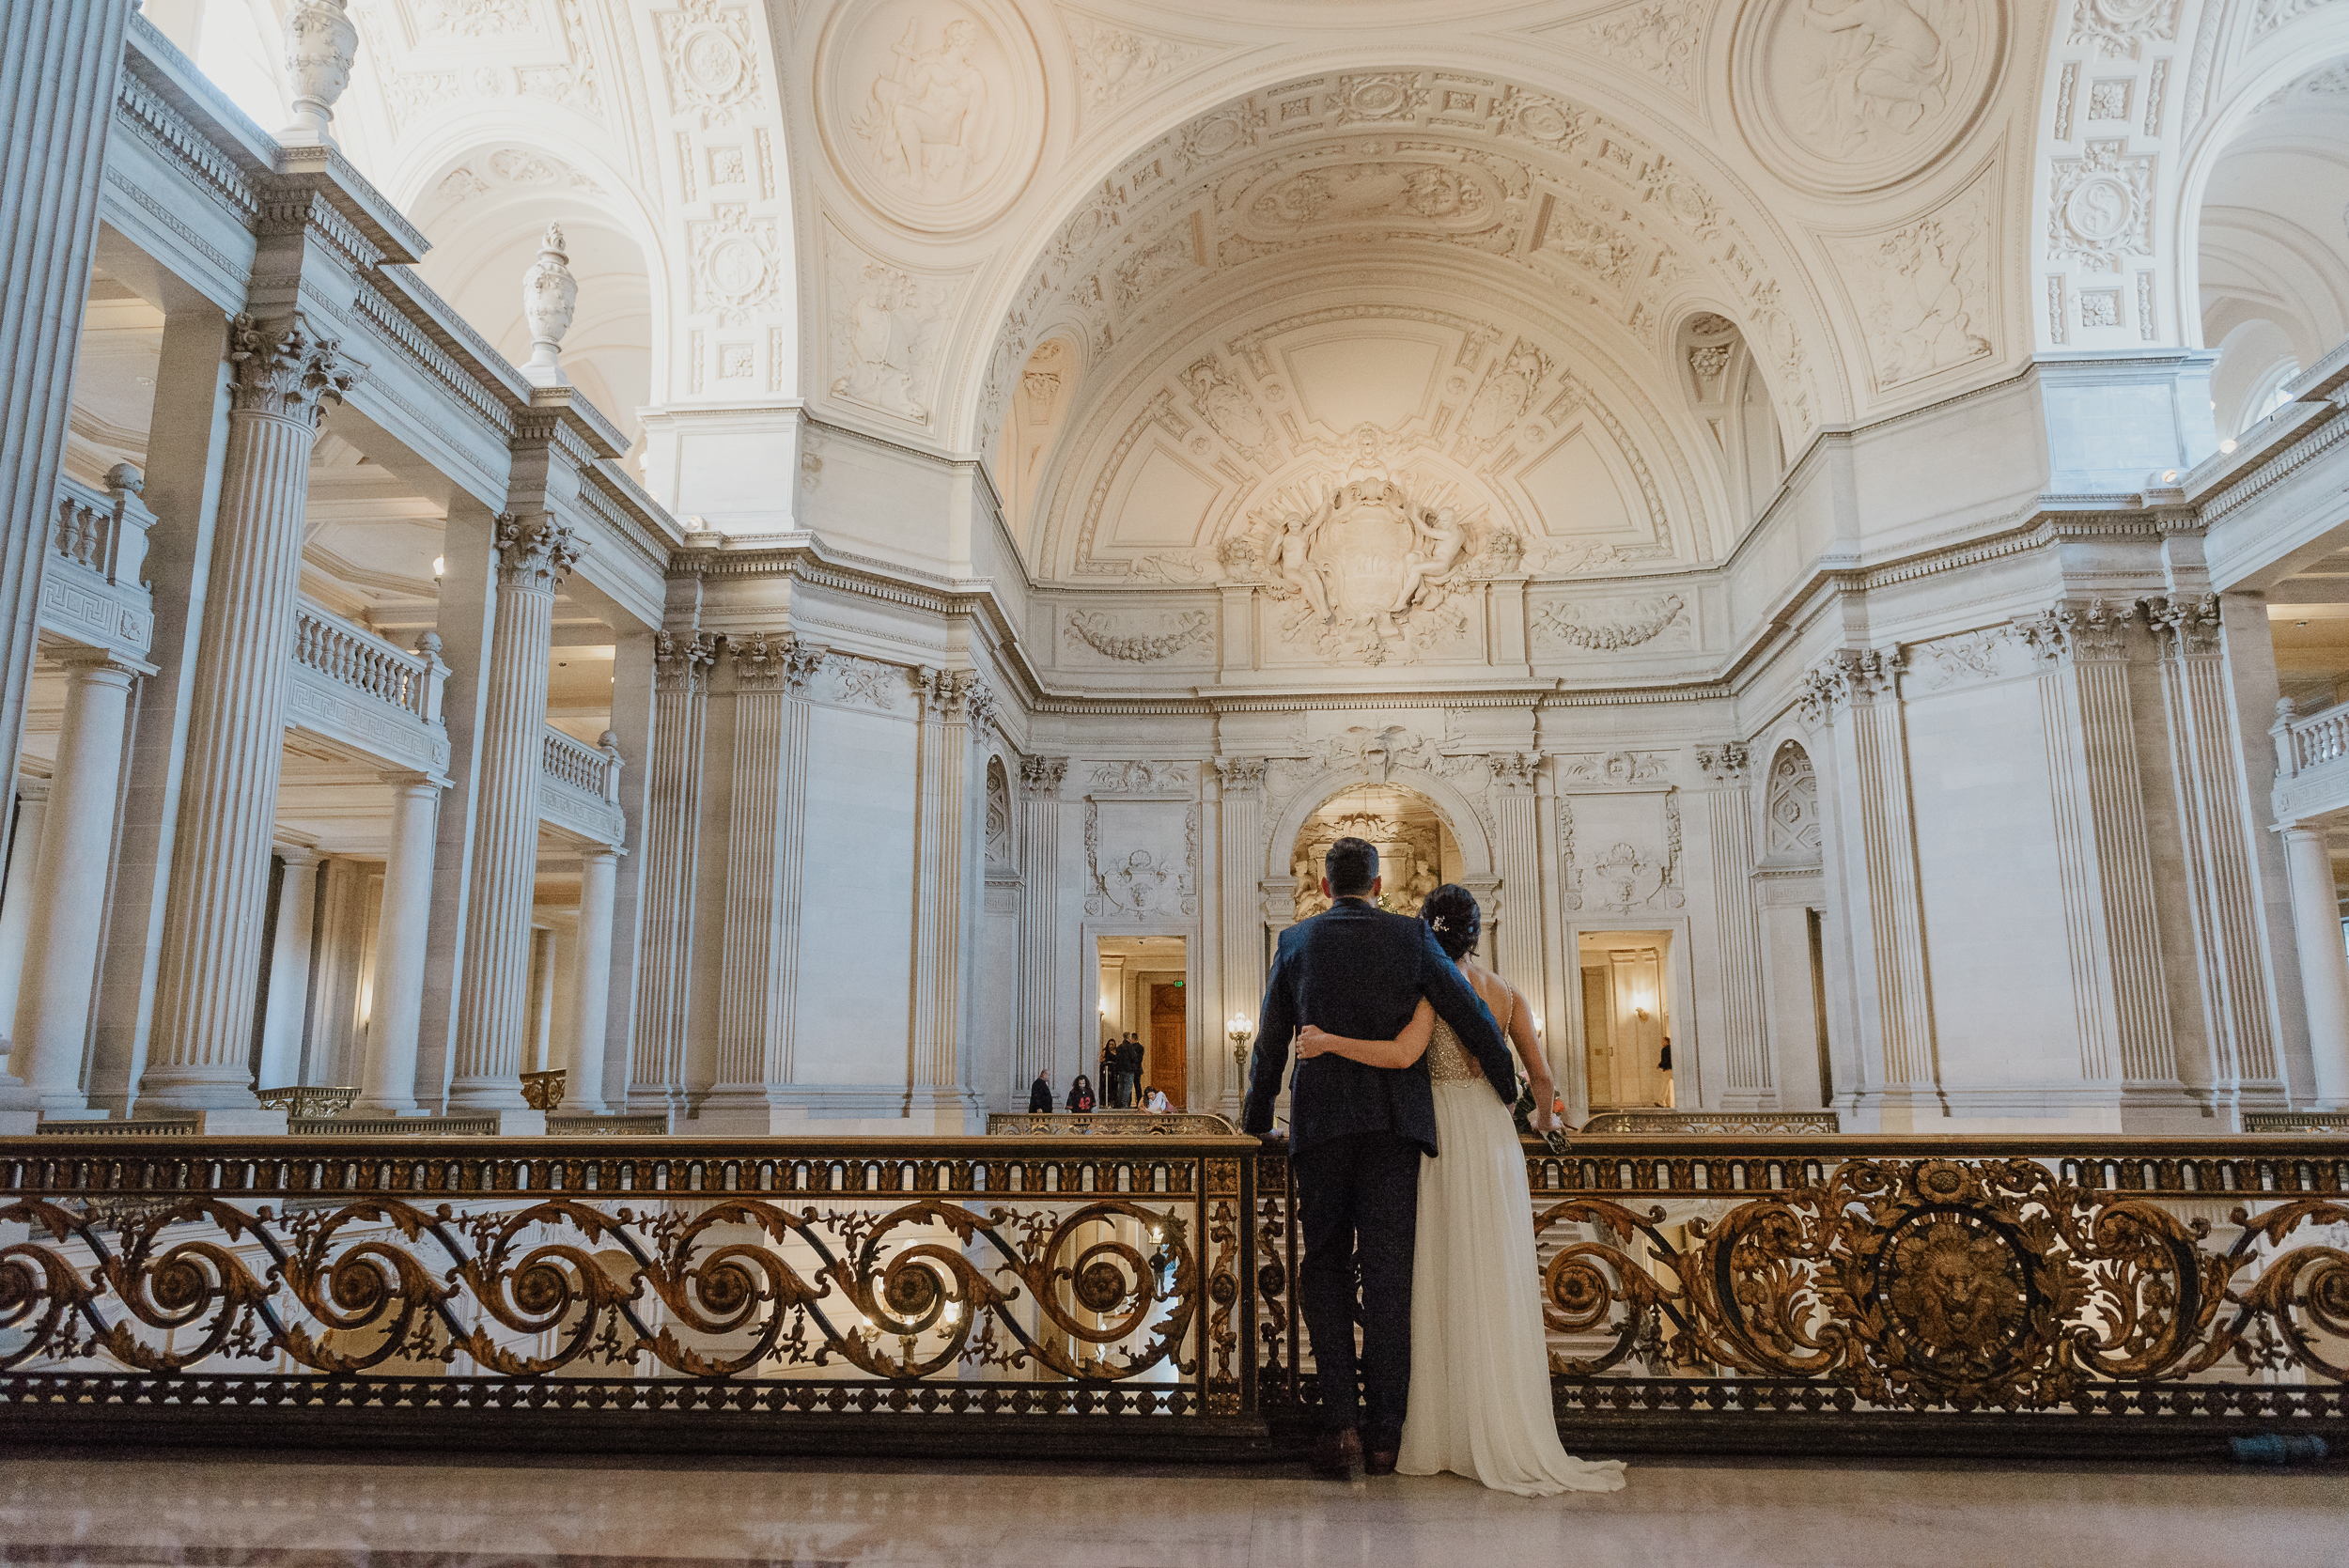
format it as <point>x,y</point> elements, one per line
<point>435,675</point>
<point>2280,732</point>
<point>126,543</point>
<point>608,744</point>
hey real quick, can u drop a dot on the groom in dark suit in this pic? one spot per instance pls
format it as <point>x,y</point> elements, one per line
<point>1355,1134</point>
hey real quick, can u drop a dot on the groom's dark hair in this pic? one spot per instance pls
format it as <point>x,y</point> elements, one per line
<point>1352,865</point>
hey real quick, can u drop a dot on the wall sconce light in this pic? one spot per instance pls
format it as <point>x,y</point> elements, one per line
<point>1240,1029</point>
<point>1640,1013</point>
<point>439,565</point>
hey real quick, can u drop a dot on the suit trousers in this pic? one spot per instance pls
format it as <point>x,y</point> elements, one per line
<point>1358,1209</point>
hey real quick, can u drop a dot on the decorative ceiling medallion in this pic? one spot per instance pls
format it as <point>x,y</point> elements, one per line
<point>931,110</point>
<point>1845,97</point>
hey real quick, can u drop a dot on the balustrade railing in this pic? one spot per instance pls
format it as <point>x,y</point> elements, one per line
<point>593,771</point>
<point>1033,1295</point>
<point>104,532</point>
<point>348,655</point>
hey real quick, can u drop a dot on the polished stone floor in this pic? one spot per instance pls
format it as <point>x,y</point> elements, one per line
<point>310,1512</point>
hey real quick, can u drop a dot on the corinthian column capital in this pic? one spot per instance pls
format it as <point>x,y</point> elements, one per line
<point>534,555</point>
<point>282,369</point>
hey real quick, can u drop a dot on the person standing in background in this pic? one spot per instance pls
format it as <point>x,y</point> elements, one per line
<point>1040,1094</point>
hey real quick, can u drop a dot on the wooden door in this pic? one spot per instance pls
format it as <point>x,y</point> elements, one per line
<point>1170,1055</point>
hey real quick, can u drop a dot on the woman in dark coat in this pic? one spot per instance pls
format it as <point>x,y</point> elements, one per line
<point>1080,1094</point>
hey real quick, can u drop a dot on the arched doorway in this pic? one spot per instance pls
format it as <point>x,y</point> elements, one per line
<point>1417,849</point>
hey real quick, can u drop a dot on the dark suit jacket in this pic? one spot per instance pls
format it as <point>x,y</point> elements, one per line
<point>1359,971</point>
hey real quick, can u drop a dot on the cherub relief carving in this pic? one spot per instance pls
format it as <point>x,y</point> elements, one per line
<point>1440,538</point>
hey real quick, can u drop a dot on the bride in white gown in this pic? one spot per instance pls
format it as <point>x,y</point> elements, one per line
<point>1480,1369</point>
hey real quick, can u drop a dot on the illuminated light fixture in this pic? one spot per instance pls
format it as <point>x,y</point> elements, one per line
<point>439,565</point>
<point>1240,1029</point>
<point>2169,476</point>
<point>2226,446</point>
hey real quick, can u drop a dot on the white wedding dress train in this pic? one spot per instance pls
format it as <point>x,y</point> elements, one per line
<point>1480,1369</point>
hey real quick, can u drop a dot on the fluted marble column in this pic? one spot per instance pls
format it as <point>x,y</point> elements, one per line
<point>1240,863</point>
<point>759,959</point>
<point>59,66</point>
<point>289,1005</point>
<point>2103,855</point>
<point>493,998</point>
<point>237,722</point>
<point>672,847</point>
<point>53,999</point>
<point>935,1094</point>
<point>2323,962</point>
<point>1517,851</point>
<point>1729,817</point>
<point>579,1023</point>
<point>403,942</point>
<point>2214,818</point>
<point>1875,849</point>
<point>16,901</point>
<point>1039,1043</point>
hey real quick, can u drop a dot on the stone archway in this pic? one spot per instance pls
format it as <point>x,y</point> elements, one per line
<point>1417,846</point>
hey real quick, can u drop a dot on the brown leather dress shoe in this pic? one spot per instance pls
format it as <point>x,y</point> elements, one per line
<point>1381,1461</point>
<point>1334,1454</point>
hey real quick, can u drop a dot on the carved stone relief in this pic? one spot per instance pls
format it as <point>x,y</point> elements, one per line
<point>1139,857</point>
<point>2119,28</point>
<point>1846,96</point>
<point>886,324</point>
<point>1922,291</point>
<point>1664,37</point>
<point>1991,653</point>
<point>2101,206</point>
<point>1114,62</point>
<point>1615,625</point>
<point>998,831</point>
<point>1791,808</point>
<point>737,267</point>
<point>710,62</point>
<point>933,110</point>
<point>1615,769</point>
<point>1106,635</point>
<point>1369,573</point>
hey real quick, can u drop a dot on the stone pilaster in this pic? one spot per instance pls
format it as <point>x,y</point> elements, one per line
<point>186,450</point>
<point>949,700</point>
<point>287,1007</point>
<point>2324,964</point>
<point>237,719</point>
<point>2104,859</point>
<point>2215,818</point>
<point>493,1005</point>
<point>1875,849</point>
<point>403,948</point>
<point>1517,860</point>
<point>672,850</point>
<point>1729,819</point>
<point>766,822</point>
<point>59,67</point>
<point>53,1000</point>
<point>1241,839</point>
<point>16,900</point>
<point>1041,1043</point>
<point>579,1026</point>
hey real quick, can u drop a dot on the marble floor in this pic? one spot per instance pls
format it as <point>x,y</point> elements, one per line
<point>330,1512</point>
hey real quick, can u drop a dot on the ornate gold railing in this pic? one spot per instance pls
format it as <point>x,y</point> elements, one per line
<point>1047,1293</point>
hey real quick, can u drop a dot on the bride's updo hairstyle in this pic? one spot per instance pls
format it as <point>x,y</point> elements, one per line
<point>1452,914</point>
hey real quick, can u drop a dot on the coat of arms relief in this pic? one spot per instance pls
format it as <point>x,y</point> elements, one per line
<point>1368,569</point>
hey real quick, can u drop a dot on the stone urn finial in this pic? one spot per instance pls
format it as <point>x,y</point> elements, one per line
<point>550,296</point>
<point>321,45</point>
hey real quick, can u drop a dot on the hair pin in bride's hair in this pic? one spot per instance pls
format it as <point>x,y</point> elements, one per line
<point>1437,925</point>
